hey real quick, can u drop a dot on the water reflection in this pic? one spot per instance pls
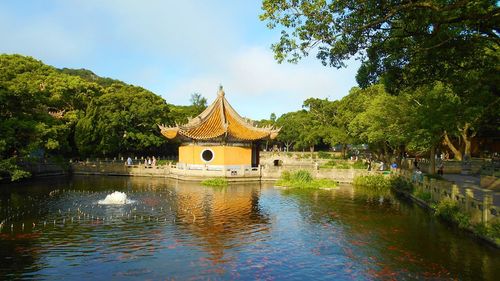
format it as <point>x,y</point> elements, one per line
<point>184,230</point>
<point>390,238</point>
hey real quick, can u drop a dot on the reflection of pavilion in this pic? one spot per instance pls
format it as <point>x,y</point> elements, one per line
<point>221,219</point>
<point>219,140</point>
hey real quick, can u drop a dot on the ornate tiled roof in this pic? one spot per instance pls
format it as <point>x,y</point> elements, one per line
<point>219,120</point>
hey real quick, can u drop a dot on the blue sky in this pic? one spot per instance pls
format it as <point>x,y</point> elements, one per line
<point>173,48</point>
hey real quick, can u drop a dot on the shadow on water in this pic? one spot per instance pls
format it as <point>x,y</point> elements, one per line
<point>54,229</point>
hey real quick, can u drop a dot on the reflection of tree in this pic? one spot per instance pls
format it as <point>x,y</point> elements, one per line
<point>221,219</point>
<point>19,253</point>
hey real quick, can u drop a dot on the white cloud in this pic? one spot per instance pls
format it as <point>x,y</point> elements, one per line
<point>251,76</point>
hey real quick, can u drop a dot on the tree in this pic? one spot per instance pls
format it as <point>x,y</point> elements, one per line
<point>291,125</point>
<point>401,43</point>
<point>198,102</point>
<point>124,119</point>
<point>383,124</point>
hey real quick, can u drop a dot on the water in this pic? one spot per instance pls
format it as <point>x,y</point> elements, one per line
<point>54,229</point>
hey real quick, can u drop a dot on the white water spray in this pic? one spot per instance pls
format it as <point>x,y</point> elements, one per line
<point>115,198</point>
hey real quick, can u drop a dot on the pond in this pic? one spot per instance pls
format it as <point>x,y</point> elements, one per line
<point>55,229</point>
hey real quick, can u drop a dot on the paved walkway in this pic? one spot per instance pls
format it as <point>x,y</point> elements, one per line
<point>472,182</point>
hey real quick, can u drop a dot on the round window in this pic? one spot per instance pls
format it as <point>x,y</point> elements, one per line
<point>207,155</point>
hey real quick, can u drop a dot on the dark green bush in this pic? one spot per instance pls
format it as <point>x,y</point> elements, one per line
<point>423,195</point>
<point>359,165</point>
<point>324,155</point>
<point>450,211</point>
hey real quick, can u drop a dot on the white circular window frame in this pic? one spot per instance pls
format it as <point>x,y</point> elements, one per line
<point>201,155</point>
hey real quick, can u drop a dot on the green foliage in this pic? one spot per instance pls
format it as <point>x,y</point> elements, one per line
<point>162,162</point>
<point>336,164</point>
<point>8,167</point>
<point>217,182</point>
<point>303,180</point>
<point>450,211</point>
<point>122,120</point>
<point>401,184</point>
<point>423,195</point>
<point>400,43</point>
<point>359,165</point>
<point>374,181</point>
<point>324,155</point>
<point>491,231</point>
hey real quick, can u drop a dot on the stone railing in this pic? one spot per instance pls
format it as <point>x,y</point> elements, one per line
<point>340,175</point>
<point>480,207</point>
<point>236,173</point>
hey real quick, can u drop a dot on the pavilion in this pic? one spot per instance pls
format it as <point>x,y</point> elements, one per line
<point>219,139</point>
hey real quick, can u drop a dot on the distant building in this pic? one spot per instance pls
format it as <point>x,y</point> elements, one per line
<point>218,139</point>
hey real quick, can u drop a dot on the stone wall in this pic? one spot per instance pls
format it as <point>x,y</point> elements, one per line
<point>481,208</point>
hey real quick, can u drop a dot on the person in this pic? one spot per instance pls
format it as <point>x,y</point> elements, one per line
<point>153,162</point>
<point>129,161</point>
<point>417,176</point>
<point>440,168</point>
<point>382,166</point>
<point>145,162</point>
<point>149,161</point>
<point>394,166</point>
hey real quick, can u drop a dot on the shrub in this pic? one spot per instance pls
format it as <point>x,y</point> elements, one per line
<point>450,211</point>
<point>162,162</point>
<point>359,165</point>
<point>423,195</point>
<point>303,179</point>
<point>336,164</point>
<point>324,155</point>
<point>491,231</point>
<point>373,181</point>
<point>401,184</point>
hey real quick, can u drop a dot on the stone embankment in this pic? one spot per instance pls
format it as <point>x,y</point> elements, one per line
<point>262,172</point>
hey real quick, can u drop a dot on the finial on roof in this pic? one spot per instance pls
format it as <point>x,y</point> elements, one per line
<point>221,91</point>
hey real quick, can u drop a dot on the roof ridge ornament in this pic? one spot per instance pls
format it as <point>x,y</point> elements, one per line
<point>220,93</point>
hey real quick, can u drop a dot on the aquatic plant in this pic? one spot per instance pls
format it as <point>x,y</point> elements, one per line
<point>215,182</point>
<point>374,181</point>
<point>303,179</point>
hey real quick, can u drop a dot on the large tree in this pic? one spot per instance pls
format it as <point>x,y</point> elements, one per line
<point>400,42</point>
<point>124,119</point>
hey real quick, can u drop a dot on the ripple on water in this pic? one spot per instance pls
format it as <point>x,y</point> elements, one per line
<point>247,232</point>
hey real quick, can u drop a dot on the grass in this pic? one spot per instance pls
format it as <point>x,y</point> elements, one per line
<point>342,164</point>
<point>219,182</point>
<point>302,179</point>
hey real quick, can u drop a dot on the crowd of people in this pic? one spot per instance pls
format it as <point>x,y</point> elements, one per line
<point>149,162</point>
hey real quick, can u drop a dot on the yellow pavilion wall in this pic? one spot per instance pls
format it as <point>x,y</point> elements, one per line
<point>223,155</point>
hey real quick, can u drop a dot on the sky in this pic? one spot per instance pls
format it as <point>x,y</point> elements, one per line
<point>172,48</point>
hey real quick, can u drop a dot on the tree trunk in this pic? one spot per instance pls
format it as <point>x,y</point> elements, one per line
<point>456,153</point>
<point>432,168</point>
<point>467,140</point>
<point>311,148</point>
<point>344,150</point>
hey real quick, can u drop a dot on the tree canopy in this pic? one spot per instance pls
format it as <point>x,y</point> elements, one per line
<point>45,111</point>
<point>400,42</point>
